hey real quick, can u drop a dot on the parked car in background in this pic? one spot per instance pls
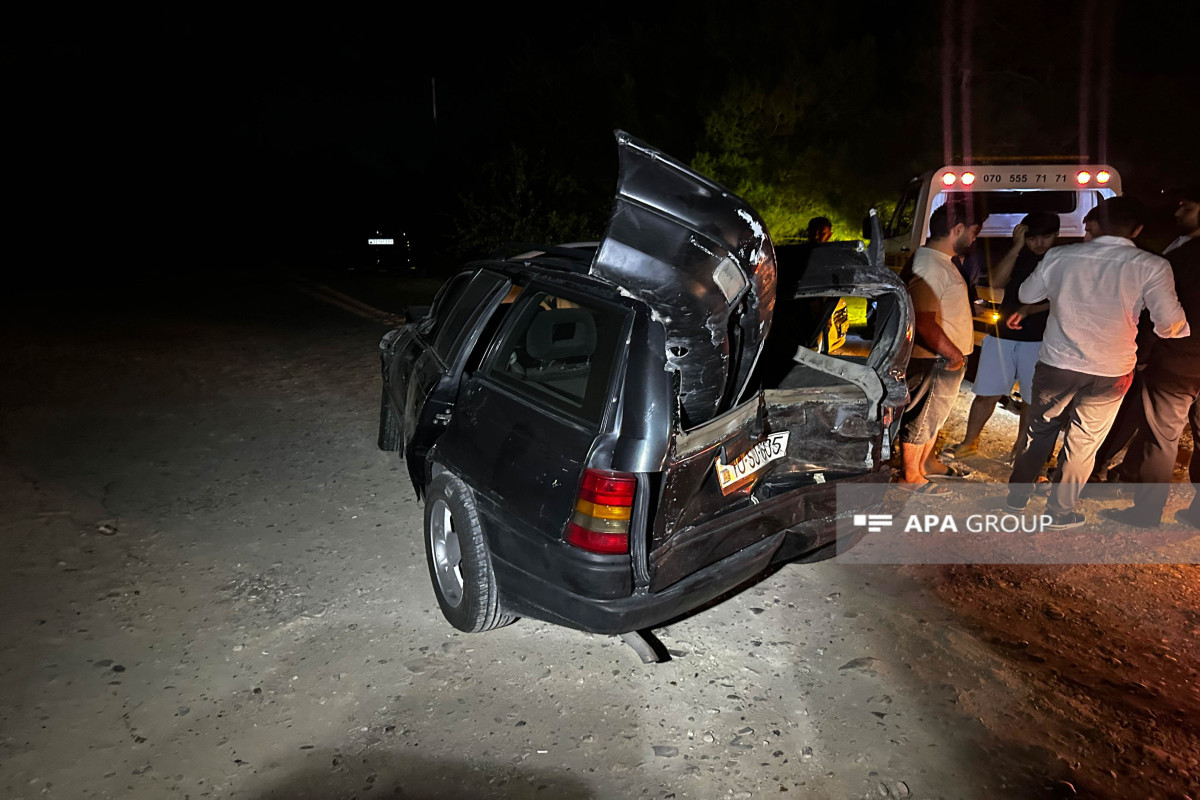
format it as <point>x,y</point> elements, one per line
<point>584,426</point>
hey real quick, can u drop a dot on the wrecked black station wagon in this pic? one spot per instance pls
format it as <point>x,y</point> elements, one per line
<point>588,427</point>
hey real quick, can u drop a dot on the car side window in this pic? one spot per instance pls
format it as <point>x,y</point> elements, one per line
<point>561,352</point>
<point>455,321</point>
<point>442,303</point>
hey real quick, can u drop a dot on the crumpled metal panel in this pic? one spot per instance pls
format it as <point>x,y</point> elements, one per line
<point>702,260</point>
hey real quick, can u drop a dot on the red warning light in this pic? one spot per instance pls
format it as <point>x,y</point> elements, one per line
<point>968,178</point>
<point>1083,177</point>
<point>949,178</point>
<point>1103,176</point>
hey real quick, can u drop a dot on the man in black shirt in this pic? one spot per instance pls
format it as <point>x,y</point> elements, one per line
<point>1170,388</point>
<point>1011,355</point>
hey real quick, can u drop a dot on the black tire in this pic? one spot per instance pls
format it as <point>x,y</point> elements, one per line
<point>389,426</point>
<point>456,552</point>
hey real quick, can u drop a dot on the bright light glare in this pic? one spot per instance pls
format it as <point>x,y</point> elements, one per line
<point>1103,176</point>
<point>968,178</point>
<point>1082,177</point>
<point>949,178</point>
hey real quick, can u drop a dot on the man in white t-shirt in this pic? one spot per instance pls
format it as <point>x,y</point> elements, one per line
<point>944,337</point>
<point>1097,291</point>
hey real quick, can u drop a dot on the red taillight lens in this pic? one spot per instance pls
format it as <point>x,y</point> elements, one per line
<point>968,178</point>
<point>1083,177</point>
<point>592,541</point>
<point>600,523</point>
<point>949,178</point>
<point>1103,176</point>
<point>607,488</point>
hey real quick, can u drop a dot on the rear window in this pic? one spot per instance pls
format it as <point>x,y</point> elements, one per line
<point>561,352</point>
<point>1017,201</point>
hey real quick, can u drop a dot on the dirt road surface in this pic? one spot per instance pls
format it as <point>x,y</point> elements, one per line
<point>215,587</point>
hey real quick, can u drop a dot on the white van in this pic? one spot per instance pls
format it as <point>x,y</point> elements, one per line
<point>1006,193</point>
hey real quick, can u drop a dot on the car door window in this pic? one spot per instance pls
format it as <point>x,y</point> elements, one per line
<point>561,352</point>
<point>454,323</point>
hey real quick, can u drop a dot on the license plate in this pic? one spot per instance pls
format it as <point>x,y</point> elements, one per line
<point>381,241</point>
<point>742,470</point>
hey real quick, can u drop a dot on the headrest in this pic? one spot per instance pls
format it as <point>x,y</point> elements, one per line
<point>561,333</point>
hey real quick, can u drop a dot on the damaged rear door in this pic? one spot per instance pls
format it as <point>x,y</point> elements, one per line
<point>771,464</point>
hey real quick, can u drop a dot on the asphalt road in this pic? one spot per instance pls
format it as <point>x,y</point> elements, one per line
<point>214,586</point>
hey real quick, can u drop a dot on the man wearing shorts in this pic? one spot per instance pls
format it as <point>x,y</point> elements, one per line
<point>944,337</point>
<point>1012,353</point>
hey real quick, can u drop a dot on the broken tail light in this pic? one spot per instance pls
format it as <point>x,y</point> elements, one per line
<point>600,523</point>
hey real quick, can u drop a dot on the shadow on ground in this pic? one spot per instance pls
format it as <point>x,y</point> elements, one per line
<point>326,775</point>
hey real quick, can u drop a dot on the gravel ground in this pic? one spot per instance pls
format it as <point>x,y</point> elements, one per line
<point>215,587</point>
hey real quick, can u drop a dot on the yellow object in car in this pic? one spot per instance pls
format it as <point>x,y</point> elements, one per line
<point>839,323</point>
<point>856,309</point>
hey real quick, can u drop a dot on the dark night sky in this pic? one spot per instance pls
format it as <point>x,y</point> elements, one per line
<point>203,141</point>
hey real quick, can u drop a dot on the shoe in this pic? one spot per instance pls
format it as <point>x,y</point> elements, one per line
<point>1016,502</point>
<point>965,449</point>
<point>922,488</point>
<point>1130,516</point>
<point>1067,519</point>
<point>1191,516</point>
<point>952,471</point>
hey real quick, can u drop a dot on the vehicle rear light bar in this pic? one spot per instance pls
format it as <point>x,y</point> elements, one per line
<point>600,523</point>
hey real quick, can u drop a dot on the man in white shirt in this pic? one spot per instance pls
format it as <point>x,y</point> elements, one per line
<point>944,337</point>
<point>1096,290</point>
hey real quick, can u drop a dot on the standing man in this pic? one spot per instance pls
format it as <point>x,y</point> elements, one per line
<point>945,336</point>
<point>1012,353</point>
<point>1170,386</point>
<point>1096,290</point>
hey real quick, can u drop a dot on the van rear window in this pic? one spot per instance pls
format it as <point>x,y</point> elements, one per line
<point>1017,201</point>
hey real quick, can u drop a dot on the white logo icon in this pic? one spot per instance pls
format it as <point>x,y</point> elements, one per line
<point>873,522</point>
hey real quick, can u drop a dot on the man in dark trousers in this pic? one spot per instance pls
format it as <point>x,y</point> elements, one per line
<point>1097,290</point>
<point>1170,386</point>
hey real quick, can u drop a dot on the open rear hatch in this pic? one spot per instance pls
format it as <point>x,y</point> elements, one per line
<point>701,259</point>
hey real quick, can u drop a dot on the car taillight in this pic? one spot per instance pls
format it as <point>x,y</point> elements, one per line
<point>1103,176</point>
<point>1082,177</point>
<point>968,178</point>
<point>949,178</point>
<point>600,523</point>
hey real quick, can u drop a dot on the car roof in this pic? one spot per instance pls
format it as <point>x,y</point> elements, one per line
<point>551,264</point>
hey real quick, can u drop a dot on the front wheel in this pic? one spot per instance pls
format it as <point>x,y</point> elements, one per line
<point>460,564</point>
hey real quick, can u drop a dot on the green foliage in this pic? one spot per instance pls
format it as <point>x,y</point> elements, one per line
<point>802,143</point>
<point>524,199</point>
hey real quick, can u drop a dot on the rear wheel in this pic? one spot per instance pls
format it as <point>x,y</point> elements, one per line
<point>460,564</point>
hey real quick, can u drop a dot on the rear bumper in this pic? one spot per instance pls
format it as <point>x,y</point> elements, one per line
<point>531,596</point>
